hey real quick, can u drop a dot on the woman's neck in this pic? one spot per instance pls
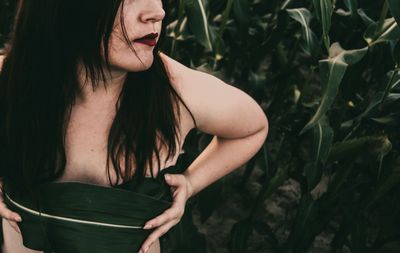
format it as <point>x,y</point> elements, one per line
<point>105,92</point>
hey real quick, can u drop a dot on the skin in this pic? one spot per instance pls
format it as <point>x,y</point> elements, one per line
<point>140,17</point>
<point>237,122</point>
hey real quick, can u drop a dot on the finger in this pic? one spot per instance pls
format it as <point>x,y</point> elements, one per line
<point>175,212</point>
<point>157,234</point>
<point>8,214</point>
<point>14,225</point>
<point>4,211</point>
<point>177,182</point>
<point>180,196</point>
<point>174,179</point>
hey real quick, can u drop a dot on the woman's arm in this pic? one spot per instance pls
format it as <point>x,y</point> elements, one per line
<point>237,122</point>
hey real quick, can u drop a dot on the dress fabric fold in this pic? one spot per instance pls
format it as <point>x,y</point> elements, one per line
<point>76,217</point>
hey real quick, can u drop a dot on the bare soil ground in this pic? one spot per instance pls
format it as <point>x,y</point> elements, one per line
<point>235,205</point>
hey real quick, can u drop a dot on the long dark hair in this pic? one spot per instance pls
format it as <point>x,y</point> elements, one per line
<point>39,84</point>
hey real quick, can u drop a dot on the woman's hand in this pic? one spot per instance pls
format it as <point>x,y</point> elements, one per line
<point>11,217</point>
<point>182,190</point>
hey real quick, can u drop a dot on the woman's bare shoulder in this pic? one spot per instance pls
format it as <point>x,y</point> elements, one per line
<point>177,73</point>
<point>175,70</point>
<point>219,108</point>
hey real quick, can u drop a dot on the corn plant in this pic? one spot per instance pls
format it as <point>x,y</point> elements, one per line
<point>326,73</point>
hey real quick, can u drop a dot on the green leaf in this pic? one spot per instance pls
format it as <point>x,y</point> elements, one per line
<point>208,199</point>
<point>217,33</point>
<point>332,71</point>
<point>310,43</point>
<point>352,6</point>
<point>364,17</point>
<point>376,101</point>
<point>219,44</point>
<point>240,234</point>
<point>269,188</point>
<point>257,79</point>
<point>346,223</point>
<point>394,6</point>
<point>178,33</point>
<point>358,235</point>
<point>324,10</point>
<point>374,145</point>
<point>396,52</point>
<point>392,97</point>
<point>266,167</point>
<point>277,180</point>
<point>198,22</point>
<point>322,141</point>
<point>307,224</point>
<point>389,119</point>
<point>241,13</point>
<point>390,31</point>
<point>383,187</point>
<point>396,80</point>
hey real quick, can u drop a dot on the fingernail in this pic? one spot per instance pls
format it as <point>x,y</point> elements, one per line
<point>167,177</point>
<point>18,219</point>
<point>147,226</point>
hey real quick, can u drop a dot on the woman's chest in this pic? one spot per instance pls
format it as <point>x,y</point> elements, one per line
<point>86,145</point>
<point>86,142</point>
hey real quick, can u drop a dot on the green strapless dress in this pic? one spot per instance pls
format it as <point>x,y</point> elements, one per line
<point>86,218</point>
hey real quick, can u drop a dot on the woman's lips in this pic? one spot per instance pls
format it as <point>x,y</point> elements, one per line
<point>149,42</point>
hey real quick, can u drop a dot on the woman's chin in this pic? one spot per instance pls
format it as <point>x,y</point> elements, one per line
<point>138,65</point>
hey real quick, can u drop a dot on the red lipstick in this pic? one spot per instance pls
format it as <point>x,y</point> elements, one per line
<point>149,42</point>
<point>149,39</point>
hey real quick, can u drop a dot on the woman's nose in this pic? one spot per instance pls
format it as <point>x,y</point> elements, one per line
<point>153,11</point>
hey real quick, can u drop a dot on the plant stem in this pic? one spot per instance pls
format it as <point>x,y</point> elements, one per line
<point>181,14</point>
<point>388,86</point>
<point>382,18</point>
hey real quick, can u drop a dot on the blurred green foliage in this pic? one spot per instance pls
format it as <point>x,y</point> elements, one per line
<point>327,75</point>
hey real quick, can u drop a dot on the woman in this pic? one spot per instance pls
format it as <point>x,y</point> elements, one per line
<point>87,97</point>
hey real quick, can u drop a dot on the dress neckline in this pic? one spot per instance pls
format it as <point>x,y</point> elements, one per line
<point>160,174</point>
<point>162,171</point>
